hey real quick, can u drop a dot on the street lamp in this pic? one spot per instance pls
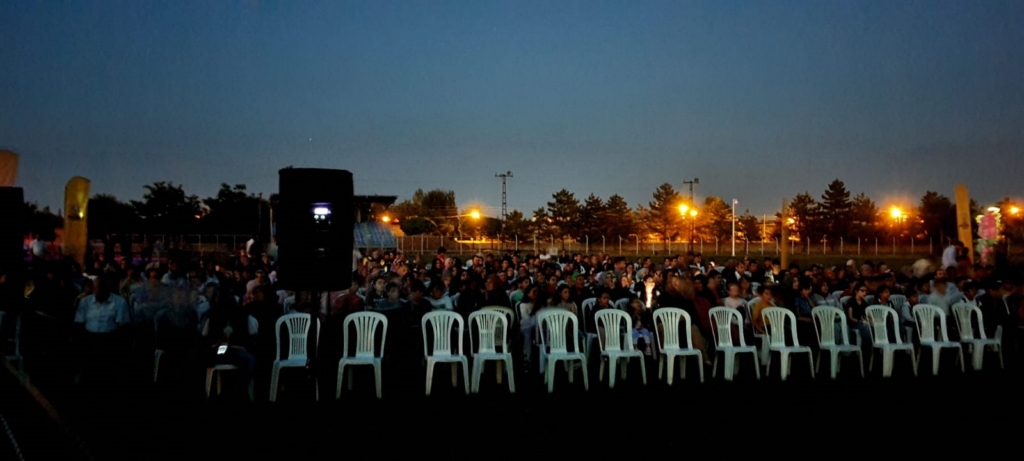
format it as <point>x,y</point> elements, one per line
<point>1014,210</point>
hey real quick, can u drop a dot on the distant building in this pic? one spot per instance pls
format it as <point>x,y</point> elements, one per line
<point>369,231</point>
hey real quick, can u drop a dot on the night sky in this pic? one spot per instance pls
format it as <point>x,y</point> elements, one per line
<point>760,99</point>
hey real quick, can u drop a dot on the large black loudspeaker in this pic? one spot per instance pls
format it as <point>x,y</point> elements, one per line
<point>12,228</point>
<point>314,218</point>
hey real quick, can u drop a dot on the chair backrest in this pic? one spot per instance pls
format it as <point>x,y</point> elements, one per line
<point>898,301</point>
<point>778,318</point>
<point>615,323</point>
<point>750,306</point>
<point>298,334</point>
<point>366,333</point>
<point>878,317</point>
<point>722,319</point>
<point>492,329</point>
<point>553,324</point>
<point>455,300</point>
<point>588,305</point>
<point>442,322</point>
<point>962,312</point>
<point>825,319</point>
<point>670,335</point>
<point>844,299</point>
<point>925,315</point>
<point>512,294</point>
<point>622,304</point>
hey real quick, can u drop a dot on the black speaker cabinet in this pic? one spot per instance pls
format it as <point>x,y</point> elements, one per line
<point>314,220</point>
<point>12,228</point>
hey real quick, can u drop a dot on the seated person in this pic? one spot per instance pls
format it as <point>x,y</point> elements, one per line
<point>642,339</point>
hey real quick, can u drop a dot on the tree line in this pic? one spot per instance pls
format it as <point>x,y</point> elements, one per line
<point>166,208</point>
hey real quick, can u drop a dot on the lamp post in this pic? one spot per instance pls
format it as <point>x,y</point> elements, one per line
<point>734,203</point>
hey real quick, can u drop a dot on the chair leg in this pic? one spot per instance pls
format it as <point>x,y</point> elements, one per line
<point>977,356</point>
<point>156,364</point>
<point>860,358</point>
<point>682,367</point>
<point>913,361</point>
<point>714,366</point>
<point>643,370</point>
<point>600,371</point>
<point>430,375</point>
<point>728,367</point>
<point>209,381</point>
<point>960,357</point>
<point>936,355</point>
<point>784,365</point>
<point>465,375</point>
<point>671,367</point>
<point>612,364</point>
<point>768,365</point>
<point>455,374</point>
<point>273,383</point>
<point>817,366</point>
<point>341,379</point>
<point>376,373</point>
<point>887,358</point>
<point>835,363</point>
<point>871,361</point>
<point>586,380</point>
<point>810,362</point>
<point>757,367</point>
<point>700,367</point>
<point>498,366</point>
<point>474,382</point>
<point>511,377</point>
<point>550,374</point>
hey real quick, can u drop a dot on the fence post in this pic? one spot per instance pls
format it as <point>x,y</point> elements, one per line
<point>620,245</point>
<point>840,246</point>
<point>876,246</point>
<point>588,243</point>
<point>894,246</point>
<point>638,245</point>
<point>858,246</point>
<point>517,242</point>
<point>930,248</point>
<point>912,245</point>
<point>716,245</point>
<point>824,242</point>
<point>604,246</point>
<point>670,246</point>
<point>777,246</point>
<point>702,245</point>
<point>746,246</point>
<point>808,246</point>
<point>762,246</point>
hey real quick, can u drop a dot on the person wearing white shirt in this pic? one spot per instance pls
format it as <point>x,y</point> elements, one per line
<point>101,315</point>
<point>950,254</point>
<point>439,298</point>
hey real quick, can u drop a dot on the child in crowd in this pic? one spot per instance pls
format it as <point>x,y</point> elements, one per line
<point>641,336</point>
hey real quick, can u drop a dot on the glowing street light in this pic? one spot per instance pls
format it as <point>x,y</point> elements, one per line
<point>386,219</point>
<point>474,214</point>
<point>1014,210</point>
<point>896,213</point>
<point>693,213</point>
<point>683,209</point>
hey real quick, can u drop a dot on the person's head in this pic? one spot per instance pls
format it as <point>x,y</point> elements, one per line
<point>805,286</point>
<point>941,284</point>
<point>564,294</point>
<point>604,298</point>
<point>417,290</point>
<point>380,284</point>
<point>437,289</point>
<point>357,281</point>
<point>392,291</point>
<point>765,293</point>
<point>532,294</point>
<point>734,290</point>
<point>860,291</point>
<point>101,288</point>
<point>970,289</point>
<point>649,282</point>
<point>883,292</point>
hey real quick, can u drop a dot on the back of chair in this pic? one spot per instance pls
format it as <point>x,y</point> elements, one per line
<point>298,333</point>
<point>825,319</point>
<point>614,322</point>
<point>898,301</point>
<point>962,315</point>
<point>554,324</point>
<point>492,328</point>
<point>722,319</point>
<point>622,304</point>
<point>878,317</point>
<point>588,305</point>
<point>442,322</point>
<point>670,318</point>
<point>366,324</point>
<point>777,319</point>
<point>510,317</point>
<point>925,315</point>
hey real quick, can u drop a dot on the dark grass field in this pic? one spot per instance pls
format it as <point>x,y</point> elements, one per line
<point>127,417</point>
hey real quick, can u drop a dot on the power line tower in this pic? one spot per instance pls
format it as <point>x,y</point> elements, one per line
<point>504,203</point>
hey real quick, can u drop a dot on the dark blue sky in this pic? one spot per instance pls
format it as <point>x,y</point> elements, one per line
<point>759,100</point>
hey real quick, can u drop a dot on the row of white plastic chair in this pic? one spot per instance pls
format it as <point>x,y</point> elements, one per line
<point>674,341</point>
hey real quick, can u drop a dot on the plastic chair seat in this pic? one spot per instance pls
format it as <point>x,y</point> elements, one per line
<point>443,324</point>
<point>553,341</point>
<point>722,321</point>
<point>365,354</point>
<point>615,347</point>
<point>779,319</point>
<point>674,340</point>
<point>215,371</point>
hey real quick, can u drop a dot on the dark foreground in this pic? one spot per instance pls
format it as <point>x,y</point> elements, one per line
<point>132,419</point>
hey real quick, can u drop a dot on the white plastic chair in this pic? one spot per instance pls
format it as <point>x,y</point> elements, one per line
<point>722,319</point>
<point>878,318</point>
<point>506,340</point>
<point>825,320</point>
<point>589,338</point>
<point>776,321</point>
<point>492,329</point>
<point>366,351</point>
<point>443,324</point>
<point>615,346</point>
<point>298,356</point>
<point>925,315</point>
<point>669,318</point>
<point>217,371</point>
<point>554,344</point>
<point>977,344</point>
<point>761,338</point>
<point>622,304</point>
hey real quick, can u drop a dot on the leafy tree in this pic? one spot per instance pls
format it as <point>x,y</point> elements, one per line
<point>541,224</point>
<point>715,219</point>
<point>516,225</point>
<point>417,226</point>
<point>591,222</point>
<point>835,210</point>
<point>108,215</point>
<point>41,223</point>
<point>617,220</point>
<point>167,209</point>
<point>937,217</point>
<point>804,212</point>
<point>749,227</point>
<point>564,211</point>
<point>865,218</point>
<point>234,210</point>
<point>663,217</point>
<point>436,205</point>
